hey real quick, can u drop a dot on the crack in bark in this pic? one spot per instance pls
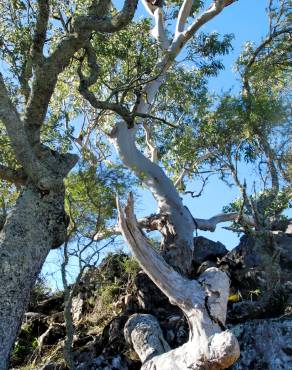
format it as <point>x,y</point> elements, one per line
<point>212,317</point>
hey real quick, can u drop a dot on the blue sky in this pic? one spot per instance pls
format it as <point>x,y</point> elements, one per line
<point>247,20</point>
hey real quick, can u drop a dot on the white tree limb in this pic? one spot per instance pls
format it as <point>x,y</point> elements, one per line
<point>204,303</point>
<point>183,15</point>
<point>158,32</point>
<point>211,223</point>
<point>216,8</point>
<point>163,190</point>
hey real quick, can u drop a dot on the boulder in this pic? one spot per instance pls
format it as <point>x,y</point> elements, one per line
<point>259,263</point>
<point>264,345</point>
<point>205,249</point>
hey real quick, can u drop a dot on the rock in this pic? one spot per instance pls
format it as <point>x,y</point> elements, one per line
<point>176,330</point>
<point>204,266</point>
<point>33,316</point>
<point>148,295</point>
<point>51,305</point>
<point>77,308</point>
<point>264,345</point>
<point>49,366</point>
<point>113,340</point>
<point>289,228</point>
<point>104,363</point>
<point>259,263</point>
<point>52,335</point>
<point>205,249</point>
<point>270,304</point>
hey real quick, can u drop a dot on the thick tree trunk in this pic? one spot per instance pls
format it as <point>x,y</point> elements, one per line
<point>177,225</point>
<point>35,225</point>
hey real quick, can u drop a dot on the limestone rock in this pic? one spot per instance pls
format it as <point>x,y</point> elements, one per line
<point>264,345</point>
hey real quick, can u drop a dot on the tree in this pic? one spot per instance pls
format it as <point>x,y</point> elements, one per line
<point>205,313</point>
<point>137,95</point>
<point>203,302</point>
<point>38,221</point>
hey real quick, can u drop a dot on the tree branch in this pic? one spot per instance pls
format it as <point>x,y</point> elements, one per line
<point>258,50</point>
<point>214,9</point>
<point>102,23</point>
<point>156,222</point>
<point>38,170</point>
<point>46,75</point>
<point>39,36</point>
<point>211,223</point>
<point>17,135</point>
<point>183,15</point>
<point>204,303</point>
<point>158,32</point>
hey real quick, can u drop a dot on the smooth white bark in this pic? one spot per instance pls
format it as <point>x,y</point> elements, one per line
<point>169,202</point>
<point>204,303</point>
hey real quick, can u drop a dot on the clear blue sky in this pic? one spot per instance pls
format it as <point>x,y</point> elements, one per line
<point>247,20</point>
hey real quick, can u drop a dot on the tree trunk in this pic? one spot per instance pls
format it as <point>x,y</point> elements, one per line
<point>177,223</point>
<point>35,225</point>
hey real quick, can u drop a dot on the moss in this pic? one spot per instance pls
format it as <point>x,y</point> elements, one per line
<point>24,346</point>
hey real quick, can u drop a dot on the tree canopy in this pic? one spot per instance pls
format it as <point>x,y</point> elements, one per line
<point>124,104</point>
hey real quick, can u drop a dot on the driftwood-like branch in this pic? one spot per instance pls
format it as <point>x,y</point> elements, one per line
<point>204,303</point>
<point>211,223</point>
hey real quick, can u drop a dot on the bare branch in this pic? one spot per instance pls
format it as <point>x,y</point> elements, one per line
<point>183,15</point>
<point>158,270</point>
<point>211,223</point>
<point>156,222</point>
<point>194,165</point>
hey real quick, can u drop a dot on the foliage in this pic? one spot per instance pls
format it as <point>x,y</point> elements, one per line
<point>24,346</point>
<point>116,275</point>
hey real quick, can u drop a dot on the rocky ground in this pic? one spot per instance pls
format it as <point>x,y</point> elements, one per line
<point>259,312</point>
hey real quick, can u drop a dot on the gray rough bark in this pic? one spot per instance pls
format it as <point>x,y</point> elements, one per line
<point>265,344</point>
<point>37,222</point>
